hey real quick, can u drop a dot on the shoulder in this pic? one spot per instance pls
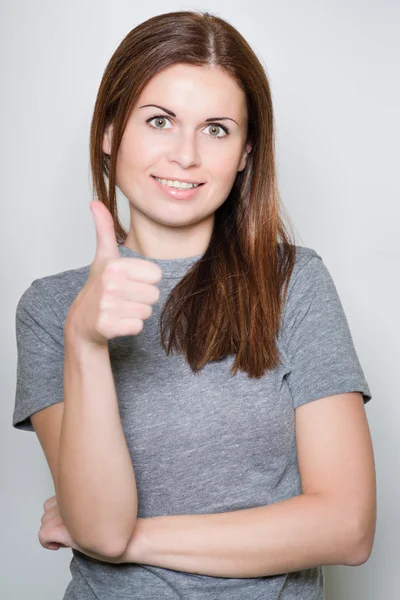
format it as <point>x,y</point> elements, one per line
<point>53,294</point>
<point>307,261</point>
<point>310,283</point>
<point>303,255</point>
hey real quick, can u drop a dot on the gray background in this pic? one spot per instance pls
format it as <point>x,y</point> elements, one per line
<point>333,67</point>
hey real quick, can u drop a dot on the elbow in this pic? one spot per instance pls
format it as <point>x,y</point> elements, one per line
<point>108,545</point>
<point>120,545</point>
<point>117,547</point>
<point>361,541</point>
<point>115,550</point>
<point>112,549</point>
<point>359,555</point>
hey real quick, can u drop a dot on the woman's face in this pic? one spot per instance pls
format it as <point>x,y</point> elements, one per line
<point>180,146</point>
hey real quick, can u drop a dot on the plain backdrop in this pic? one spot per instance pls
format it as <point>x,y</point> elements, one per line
<point>334,71</point>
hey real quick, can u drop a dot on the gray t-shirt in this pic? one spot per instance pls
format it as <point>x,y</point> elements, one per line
<point>205,443</point>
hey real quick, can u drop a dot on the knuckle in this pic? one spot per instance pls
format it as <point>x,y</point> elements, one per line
<point>109,271</point>
<point>140,311</point>
<point>148,311</point>
<point>112,266</point>
<point>156,272</point>
<point>139,326</point>
<point>110,285</point>
<point>106,302</point>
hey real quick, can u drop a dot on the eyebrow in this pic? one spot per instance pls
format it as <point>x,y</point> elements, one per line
<point>169,112</point>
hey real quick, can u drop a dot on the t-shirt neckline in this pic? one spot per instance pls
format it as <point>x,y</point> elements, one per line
<point>172,267</point>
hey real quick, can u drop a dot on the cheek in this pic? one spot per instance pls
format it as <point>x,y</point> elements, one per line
<point>132,153</point>
<point>135,158</point>
<point>223,165</point>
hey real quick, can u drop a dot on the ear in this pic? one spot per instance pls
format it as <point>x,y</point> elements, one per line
<point>246,151</point>
<point>107,139</point>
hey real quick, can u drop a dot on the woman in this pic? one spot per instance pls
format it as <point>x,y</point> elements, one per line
<point>221,448</point>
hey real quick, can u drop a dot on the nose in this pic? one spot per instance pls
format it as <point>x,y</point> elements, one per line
<point>184,150</point>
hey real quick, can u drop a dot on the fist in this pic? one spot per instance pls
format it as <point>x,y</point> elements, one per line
<point>119,293</point>
<point>53,534</point>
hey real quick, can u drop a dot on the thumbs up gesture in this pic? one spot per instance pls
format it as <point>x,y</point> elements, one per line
<point>119,291</point>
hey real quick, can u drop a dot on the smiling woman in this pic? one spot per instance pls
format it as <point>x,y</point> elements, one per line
<point>179,148</point>
<point>220,449</point>
<point>214,125</point>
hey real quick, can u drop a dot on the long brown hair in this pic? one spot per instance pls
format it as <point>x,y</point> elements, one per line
<point>230,301</point>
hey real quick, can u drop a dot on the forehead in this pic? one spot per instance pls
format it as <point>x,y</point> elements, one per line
<point>187,88</point>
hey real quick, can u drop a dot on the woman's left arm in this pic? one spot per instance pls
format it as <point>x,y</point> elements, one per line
<point>332,522</point>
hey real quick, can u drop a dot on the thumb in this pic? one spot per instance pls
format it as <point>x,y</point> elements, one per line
<point>106,242</point>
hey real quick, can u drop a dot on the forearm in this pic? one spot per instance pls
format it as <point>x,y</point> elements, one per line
<point>295,534</point>
<point>96,487</point>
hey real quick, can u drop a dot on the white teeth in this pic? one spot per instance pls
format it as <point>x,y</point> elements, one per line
<point>177,184</point>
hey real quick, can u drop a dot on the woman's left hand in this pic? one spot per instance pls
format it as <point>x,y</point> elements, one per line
<point>53,534</point>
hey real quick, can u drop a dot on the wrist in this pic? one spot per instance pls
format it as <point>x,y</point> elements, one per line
<point>74,340</point>
<point>74,329</point>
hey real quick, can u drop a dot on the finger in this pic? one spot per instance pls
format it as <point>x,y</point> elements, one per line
<point>137,291</point>
<point>134,291</point>
<point>45,540</point>
<point>51,521</point>
<point>139,270</point>
<point>50,514</point>
<point>106,241</point>
<point>55,521</point>
<point>124,309</point>
<point>53,546</point>
<point>50,502</point>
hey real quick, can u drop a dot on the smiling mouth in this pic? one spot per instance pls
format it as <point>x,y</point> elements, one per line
<point>198,184</point>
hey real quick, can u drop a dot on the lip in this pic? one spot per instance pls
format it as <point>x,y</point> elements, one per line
<point>177,179</point>
<point>174,193</point>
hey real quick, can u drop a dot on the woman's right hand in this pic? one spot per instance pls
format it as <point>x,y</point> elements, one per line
<point>119,291</point>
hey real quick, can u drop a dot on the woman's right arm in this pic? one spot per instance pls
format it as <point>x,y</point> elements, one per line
<point>93,472</point>
<point>83,443</point>
<point>96,487</point>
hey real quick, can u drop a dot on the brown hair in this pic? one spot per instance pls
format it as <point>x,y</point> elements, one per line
<point>230,301</point>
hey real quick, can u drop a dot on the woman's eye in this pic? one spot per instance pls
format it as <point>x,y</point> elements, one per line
<point>215,126</point>
<point>159,119</point>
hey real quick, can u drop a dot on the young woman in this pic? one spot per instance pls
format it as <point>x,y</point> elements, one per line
<point>196,390</point>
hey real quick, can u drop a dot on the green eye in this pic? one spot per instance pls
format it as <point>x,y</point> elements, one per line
<point>167,119</point>
<point>158,118</point>
<point>216,126</point>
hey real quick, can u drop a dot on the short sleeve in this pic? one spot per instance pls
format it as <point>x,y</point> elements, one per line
<point>40,355</point>
<point>316,339</point>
